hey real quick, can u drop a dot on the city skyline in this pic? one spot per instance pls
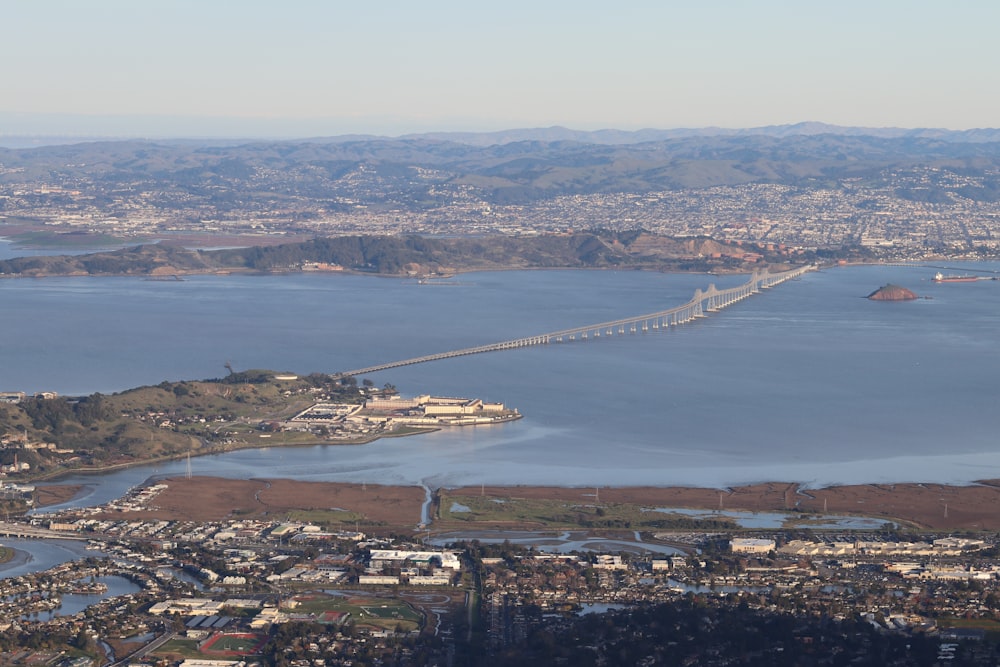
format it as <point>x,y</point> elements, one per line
<point>115,68</point>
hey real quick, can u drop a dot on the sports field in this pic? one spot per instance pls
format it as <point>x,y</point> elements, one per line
<point>234,644</point>
<point>383,612</point>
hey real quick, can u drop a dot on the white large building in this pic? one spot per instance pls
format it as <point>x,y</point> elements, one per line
<point>187,607</point>
<point>749,545</point>
<point>389,557</point>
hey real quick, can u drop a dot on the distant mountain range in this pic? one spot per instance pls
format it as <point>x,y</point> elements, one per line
<point>611,137</point>
<point>618,137</point>
<point>309,178</point>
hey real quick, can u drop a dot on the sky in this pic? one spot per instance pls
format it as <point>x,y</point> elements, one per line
<point>160,68</point>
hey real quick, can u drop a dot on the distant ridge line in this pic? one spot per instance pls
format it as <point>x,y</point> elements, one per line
<point>619,137</point>
<point>556,133</point>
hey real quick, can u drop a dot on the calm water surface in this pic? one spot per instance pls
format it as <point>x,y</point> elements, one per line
<point>74,603</point>
<point>37,555</point>
<point>807,382</point>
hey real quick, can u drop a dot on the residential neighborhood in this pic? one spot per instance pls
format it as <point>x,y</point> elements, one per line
<point>266,592</point>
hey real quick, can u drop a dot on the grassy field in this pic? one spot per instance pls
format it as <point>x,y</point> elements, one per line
<point>327,518</point>
<point>184,648</point>
<point>239,643</point>
<point>188,648</point>
<point>457,511</point>
<point>990,626</point>
<point>383,612</point>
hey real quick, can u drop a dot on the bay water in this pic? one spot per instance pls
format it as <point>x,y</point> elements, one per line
<point>806,382</point>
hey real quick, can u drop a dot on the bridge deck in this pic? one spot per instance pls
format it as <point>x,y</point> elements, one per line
<point>710,300</point>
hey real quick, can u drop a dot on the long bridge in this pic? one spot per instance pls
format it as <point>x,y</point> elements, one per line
<point>709,301</point>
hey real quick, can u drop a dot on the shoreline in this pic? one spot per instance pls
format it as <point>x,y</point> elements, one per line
<point>181,273</point>
<point>911,506</point>
<point>99,470</point>
<point>112,467</point>
<point>7,555</point>
<point>971,505</point>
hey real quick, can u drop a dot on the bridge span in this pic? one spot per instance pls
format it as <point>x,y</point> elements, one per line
<point>23,530</point>
<point>709,301</point>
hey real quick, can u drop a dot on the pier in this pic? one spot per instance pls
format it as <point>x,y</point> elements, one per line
<point>702,303</point>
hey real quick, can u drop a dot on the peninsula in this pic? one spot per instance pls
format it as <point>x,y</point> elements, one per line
<point>46,435</point>
<point>420,256</point>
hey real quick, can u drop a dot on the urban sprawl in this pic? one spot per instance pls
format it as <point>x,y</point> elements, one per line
<point>852,213</point>
<point>296,593</point>
<point>302,593</point>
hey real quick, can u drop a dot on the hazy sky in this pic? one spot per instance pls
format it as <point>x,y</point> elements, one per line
<point>323,67</point>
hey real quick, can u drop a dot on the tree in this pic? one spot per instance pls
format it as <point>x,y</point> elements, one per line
<point>84,641</point>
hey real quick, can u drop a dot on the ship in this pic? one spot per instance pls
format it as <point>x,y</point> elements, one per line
<point>941,278</point>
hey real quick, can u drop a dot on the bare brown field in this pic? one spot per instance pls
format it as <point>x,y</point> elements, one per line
<point>55,494</point>
<point>935,506</point>
<point>217,499</point>
<point>390,505</point>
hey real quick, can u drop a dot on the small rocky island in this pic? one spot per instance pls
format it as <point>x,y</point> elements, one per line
<point>892,292</point>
